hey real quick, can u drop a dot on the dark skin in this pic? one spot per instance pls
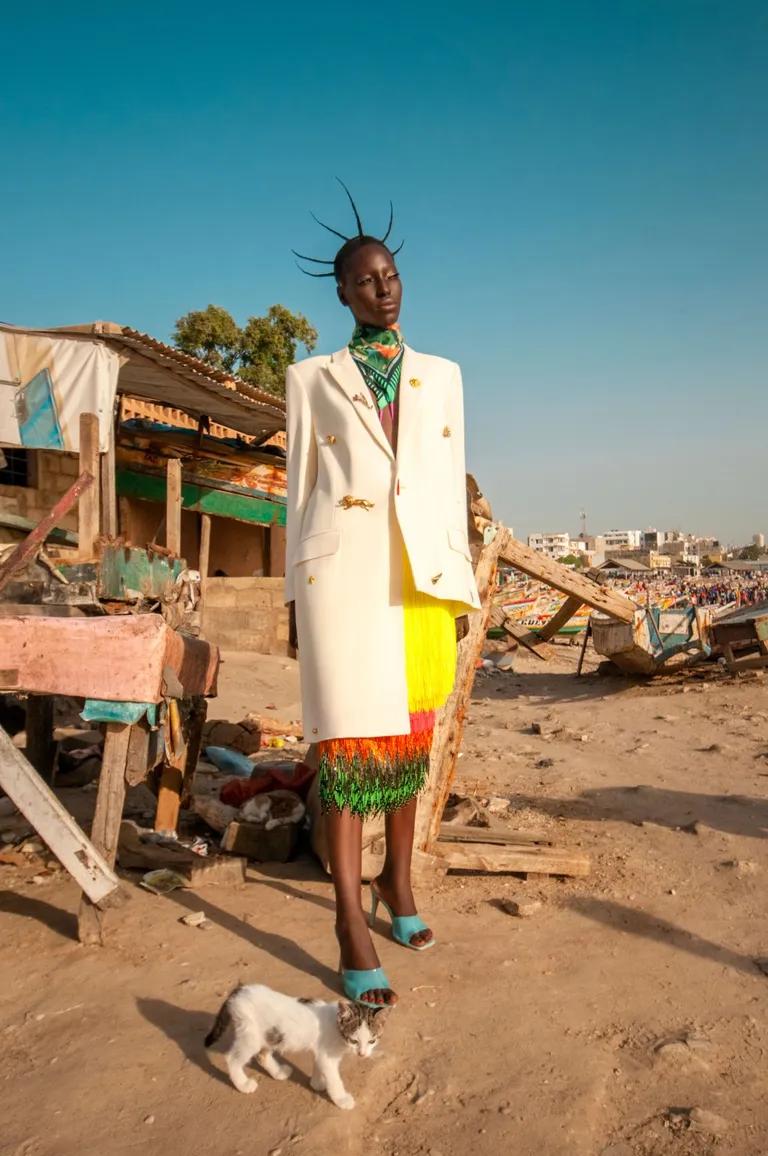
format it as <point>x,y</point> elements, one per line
<point>370,287</point>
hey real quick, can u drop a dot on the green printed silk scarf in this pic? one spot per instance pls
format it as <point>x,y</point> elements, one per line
<point>379,354</point>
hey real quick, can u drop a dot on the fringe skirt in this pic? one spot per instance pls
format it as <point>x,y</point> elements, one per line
<point>369,776</point>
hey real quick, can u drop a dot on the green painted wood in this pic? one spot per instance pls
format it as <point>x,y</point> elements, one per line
<point>217,503</point>
<point>125,569</point>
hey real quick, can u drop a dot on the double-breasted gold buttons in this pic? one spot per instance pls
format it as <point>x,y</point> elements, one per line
<point>415,382</point>
<point>446,431</point>
<point>311,580</point>
<point>331,439</point>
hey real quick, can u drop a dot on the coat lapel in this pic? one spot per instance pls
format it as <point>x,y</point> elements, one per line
<point>348,377</point>
<point>412,397</point>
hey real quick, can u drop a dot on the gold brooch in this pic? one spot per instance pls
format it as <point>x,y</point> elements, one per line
<point>437,578</point>
<point>311,580</point>
<point>347,502</point>
<point>331,439</point>
<point>363,400</point>
<point>414,382</point>
<point>446,431</point>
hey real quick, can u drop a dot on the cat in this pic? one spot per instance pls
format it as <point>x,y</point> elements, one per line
<point>266,1021</point>
<point>273,809</point>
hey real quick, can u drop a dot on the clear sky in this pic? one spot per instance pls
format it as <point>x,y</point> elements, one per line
<point>582,185</point>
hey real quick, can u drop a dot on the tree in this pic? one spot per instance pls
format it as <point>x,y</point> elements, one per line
<point>259,353</point>
<point>750,554</point>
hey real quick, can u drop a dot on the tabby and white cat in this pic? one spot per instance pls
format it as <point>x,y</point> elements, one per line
<point>266,1021</point>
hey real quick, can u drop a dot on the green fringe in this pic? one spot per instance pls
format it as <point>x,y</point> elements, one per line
<point>365,788</point>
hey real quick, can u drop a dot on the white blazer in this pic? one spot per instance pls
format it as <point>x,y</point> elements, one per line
<point>353,505</point>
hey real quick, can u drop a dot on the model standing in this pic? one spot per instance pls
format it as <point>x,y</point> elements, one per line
<point>378,570</point>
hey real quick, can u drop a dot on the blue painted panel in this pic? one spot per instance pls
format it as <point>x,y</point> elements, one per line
<point>37,415</point>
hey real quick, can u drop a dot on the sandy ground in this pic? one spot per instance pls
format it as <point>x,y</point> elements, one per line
<point>590,1028</point>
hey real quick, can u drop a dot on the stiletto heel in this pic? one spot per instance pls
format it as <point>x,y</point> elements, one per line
<point>404,927</point>
<point>374,907</point>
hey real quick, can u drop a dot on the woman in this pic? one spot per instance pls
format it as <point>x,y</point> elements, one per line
<point>378,571</point>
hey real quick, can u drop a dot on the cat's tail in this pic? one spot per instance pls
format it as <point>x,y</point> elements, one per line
<point>221,1023</point>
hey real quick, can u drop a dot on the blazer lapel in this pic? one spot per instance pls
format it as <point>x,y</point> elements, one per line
<point>349,378</point>
<point>411,401</point>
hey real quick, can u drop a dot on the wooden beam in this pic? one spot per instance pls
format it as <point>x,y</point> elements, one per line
<point>25,550</point>
<point>105,830</point>
<point>109,491</point>
<point>563,616</point>
<point>528,639</point>
<point>88,512</point>
<point>460,833</point>
<point>173,507</point>
<point>492,859</point>
<point>204,561</point>
<point>562,578</point>
<point>220,503</point>
<point>449,728</point>
<point>54,824</point>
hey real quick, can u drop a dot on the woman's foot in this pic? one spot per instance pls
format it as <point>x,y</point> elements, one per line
<point>358,954</point>
<point>399,897</point>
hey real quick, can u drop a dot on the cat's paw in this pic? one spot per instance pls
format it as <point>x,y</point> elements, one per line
<point>282,1071</point>
<point>246,1086</point>
<point>346,1102</point>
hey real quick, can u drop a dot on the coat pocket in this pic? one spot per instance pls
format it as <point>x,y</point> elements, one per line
<point>317,546</point>
<point>457,540</point>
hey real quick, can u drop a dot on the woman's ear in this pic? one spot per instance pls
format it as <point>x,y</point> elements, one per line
<point>340,295</point>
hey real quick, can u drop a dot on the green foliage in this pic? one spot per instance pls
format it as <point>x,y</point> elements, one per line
<point>578,561</point>
<point>750,554</point>
<point>259,352</point>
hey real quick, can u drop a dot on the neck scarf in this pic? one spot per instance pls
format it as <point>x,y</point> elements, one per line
<point>379,355</point>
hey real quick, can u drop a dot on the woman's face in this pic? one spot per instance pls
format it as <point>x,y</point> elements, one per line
<point>371,287</point>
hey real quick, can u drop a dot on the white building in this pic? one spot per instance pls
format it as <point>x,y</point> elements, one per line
<point>626,539</point>
<point>553,545</point>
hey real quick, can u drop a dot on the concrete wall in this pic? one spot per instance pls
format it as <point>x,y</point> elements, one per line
<point>51,474</point>
<point>246,614</point>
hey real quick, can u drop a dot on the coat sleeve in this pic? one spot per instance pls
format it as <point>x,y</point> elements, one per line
<point>459,453</point>
<point>301,467</point>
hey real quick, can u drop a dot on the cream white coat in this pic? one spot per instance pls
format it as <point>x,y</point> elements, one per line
<point>344,560</point>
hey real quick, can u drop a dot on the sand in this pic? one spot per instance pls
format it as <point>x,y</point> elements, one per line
<point>625,1017</point>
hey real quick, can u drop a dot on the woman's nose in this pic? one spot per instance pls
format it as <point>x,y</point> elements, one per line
<point>383,289</point>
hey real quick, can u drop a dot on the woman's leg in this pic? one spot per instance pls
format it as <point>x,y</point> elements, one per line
<point>344,831</point>
<point>394,883</point>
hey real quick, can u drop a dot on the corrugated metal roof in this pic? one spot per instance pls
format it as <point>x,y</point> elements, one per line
<point>162,374</point>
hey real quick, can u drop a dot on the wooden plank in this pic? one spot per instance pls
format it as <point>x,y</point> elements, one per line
<point>109,492</point>
<point>182,754</point>
<point>216,502</point>
<point>560,577</point>
<point>563,616</point>
<point>458,833</point>
<point>88,510</point>
<point>127,656</point>
<point>54,825</point>
<point>17,560</point>
<point>173,507</point>
<point>204,560</point>
<point>105,830</point>
<point>449,728</point>
<point>41,749</point>
<point>492,859</point>
<point>527,639</point>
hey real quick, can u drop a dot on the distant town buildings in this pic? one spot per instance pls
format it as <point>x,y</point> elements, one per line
<point>652,548</point>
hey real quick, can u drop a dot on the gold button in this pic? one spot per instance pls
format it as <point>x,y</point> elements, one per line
<point>311,580</point>
<point>437,578</point>
<point>446,431</point>
<point>414,382</point>
<point>331,439</point>
<point>314,730</point>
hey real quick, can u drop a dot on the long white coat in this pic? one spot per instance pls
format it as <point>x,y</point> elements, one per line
<point>344,558</point>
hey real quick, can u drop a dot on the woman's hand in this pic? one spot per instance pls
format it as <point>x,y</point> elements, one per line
<point>462,627</point>
<point>293,634</point>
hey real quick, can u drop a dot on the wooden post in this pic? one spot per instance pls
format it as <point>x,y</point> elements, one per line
<point>41,748</point>
<point>109,490</point>
<point>173,507</point>
<point>204,561</point>
<point>88,510</point>
<point>564,615</point>
<point>449,728</point>
<point>106,820</point>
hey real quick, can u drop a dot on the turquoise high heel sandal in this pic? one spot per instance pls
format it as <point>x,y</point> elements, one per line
<point>404,927</point>
<point>357,982</point>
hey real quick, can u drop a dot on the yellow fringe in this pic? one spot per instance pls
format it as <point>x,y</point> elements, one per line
<point>430,645</point>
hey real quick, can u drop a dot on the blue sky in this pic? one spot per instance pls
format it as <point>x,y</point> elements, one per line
<point>582,187</point>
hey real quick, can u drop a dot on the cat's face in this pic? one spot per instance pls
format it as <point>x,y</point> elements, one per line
<point>361,1027</point>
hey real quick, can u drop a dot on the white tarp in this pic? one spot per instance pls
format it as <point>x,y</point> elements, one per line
<point>47,382</point>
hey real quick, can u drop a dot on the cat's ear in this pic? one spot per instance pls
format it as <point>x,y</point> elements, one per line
<point>378,1016</point>
<point>348,1015</point>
